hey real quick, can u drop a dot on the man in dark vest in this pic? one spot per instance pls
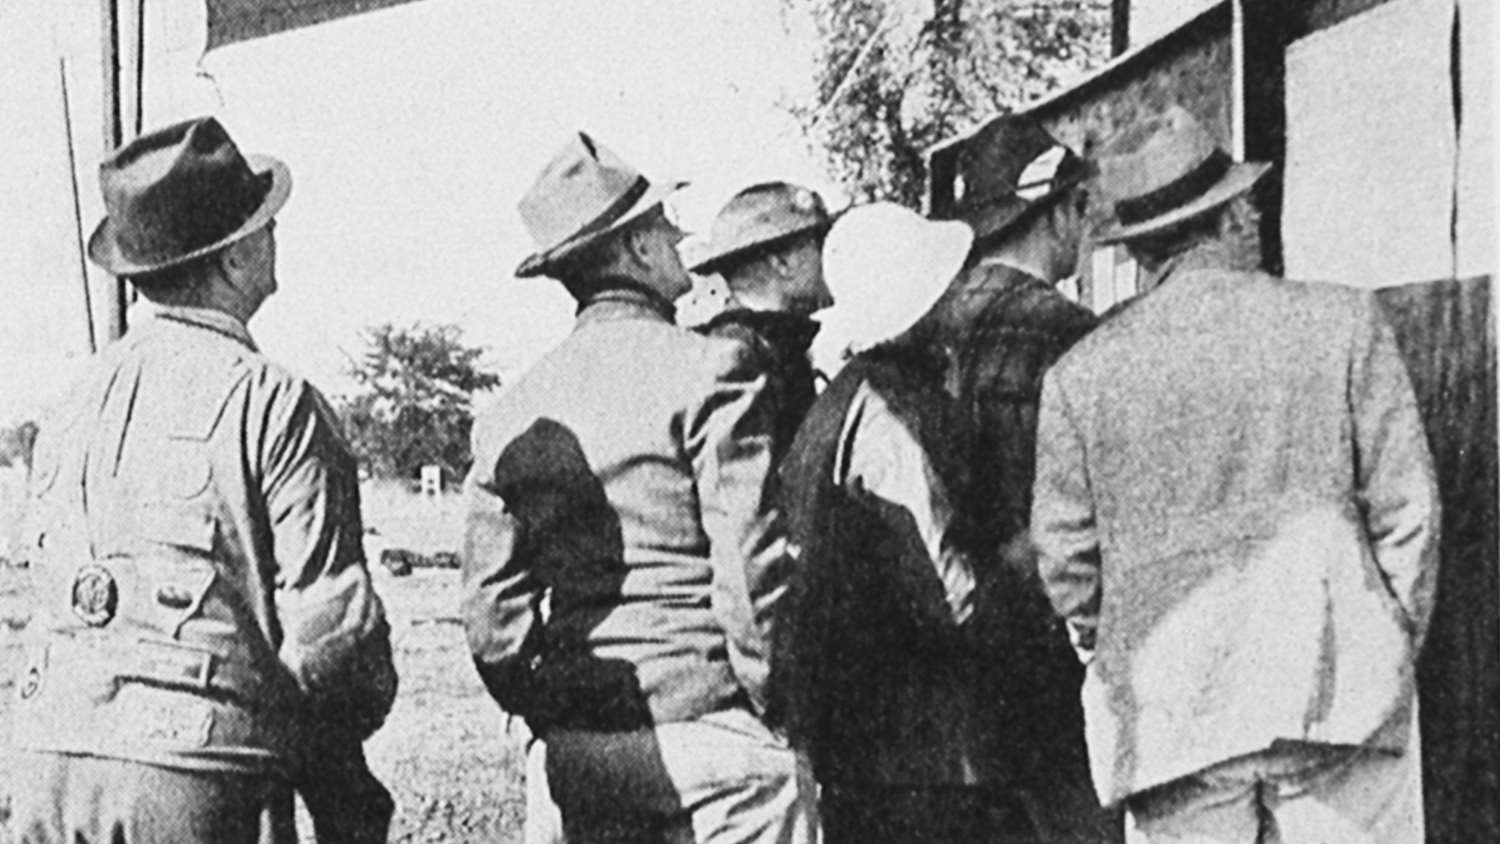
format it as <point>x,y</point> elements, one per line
<point>1004,324</point>
<point>872,671</point>
<point>206,634</point>
<point>767,244</point>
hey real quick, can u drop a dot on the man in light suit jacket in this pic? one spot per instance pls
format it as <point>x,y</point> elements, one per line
<point>1237,516</point>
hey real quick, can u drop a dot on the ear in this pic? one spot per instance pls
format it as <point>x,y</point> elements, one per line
<point>637,243</point>
<point>237,256</point>
<point>781,262</point>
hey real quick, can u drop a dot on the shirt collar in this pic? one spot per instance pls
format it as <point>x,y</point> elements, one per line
<point>209,319</point>
<point>626,300</point>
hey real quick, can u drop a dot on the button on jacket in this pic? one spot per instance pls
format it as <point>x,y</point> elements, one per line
<point>619,491</point>
<point>194,534</point>
<point>1234,485</point>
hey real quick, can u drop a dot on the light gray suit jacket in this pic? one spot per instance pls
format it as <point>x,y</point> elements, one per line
<point>1234,487</point>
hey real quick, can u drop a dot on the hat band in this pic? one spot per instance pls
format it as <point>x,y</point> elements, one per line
<point>1175,193</point>
<point>623,203</point>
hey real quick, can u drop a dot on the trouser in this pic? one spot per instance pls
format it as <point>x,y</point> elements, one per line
<point>65,799</point>
<point>1297,794</point>
<point>720,778</point>
<point>901,814</point>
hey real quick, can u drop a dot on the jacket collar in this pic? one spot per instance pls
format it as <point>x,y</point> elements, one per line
<point>780,327</point>
<point>625,298</point>
<point>207,319</point>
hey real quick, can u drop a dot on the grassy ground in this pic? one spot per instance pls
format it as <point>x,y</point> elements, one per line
<point>445,754</point>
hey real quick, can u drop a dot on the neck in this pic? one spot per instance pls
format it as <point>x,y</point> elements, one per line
<point>1033,253</point>
<point>1207,254</point>
<point>620,286</point>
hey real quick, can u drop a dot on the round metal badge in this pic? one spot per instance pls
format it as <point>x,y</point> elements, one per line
<point>96,596</point>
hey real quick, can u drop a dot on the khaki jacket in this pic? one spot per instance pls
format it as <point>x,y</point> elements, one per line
<point>622,558</point>
<point>194,536</point>
<point>1234,486</point>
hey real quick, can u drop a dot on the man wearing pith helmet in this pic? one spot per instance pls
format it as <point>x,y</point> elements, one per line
<point>206,634</point>
<point>1237,517</point>
<point>767,244</point>
<point>622,561</point>
<point>874,663</point>
<point>1005,323</point>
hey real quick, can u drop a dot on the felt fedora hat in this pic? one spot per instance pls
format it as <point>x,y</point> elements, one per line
<point>760,217</point>
<point>1007,166</point>
<point>1165,171</point>
<point>180,193</point>
<point>887,266</point>
<point>584,192</point>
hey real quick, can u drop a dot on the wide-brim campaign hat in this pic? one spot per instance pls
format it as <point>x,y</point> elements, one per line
<point>758,218</point>
<point>1165,171</point>
<point>179,193</point>
<point>1006,167</point>
<point>886,266</point>
<point>584,193</point>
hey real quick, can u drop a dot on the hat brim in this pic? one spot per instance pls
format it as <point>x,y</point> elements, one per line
<point>1240,178</point>
<point>717,262</point>
<point>540,263</point>
<point>1000,215</point>
<point>104,247</point>
<point>879,316</point>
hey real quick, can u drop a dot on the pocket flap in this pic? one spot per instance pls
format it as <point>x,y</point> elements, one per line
<point>181,525</point>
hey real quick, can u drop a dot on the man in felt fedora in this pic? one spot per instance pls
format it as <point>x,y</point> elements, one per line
<point>1237,516</point>
<point>873,668</point>
<point>206,633</point>
<point>621,485</point>
<point>767,244</point>
<point>1024,194</point>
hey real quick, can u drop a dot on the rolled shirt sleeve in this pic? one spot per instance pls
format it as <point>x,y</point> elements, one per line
<point>1063,523</point>
<point>729,428</point>
<point>336,640</point>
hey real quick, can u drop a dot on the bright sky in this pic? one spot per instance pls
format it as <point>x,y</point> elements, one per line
<point>412,132</point>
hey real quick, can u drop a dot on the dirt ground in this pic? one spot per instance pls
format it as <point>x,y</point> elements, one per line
<point>444,752</point>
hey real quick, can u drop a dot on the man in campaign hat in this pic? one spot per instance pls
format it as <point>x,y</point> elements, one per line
<point>623,562</point>
<point>767,244</point>
<point>1237,516</point>
<point>206,634</point>
<point>1024,194</point>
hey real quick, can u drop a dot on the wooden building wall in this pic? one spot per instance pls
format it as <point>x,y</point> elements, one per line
<point>1447,334</point>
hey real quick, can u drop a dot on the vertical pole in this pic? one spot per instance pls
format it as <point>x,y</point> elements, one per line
<point>1260,74</point>
<point>114,135</point>
<point>83,267</point>
<point>1119,26</point>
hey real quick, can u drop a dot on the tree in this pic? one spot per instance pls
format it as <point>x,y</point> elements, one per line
<point>413,406</point>
<point>895,77</point>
